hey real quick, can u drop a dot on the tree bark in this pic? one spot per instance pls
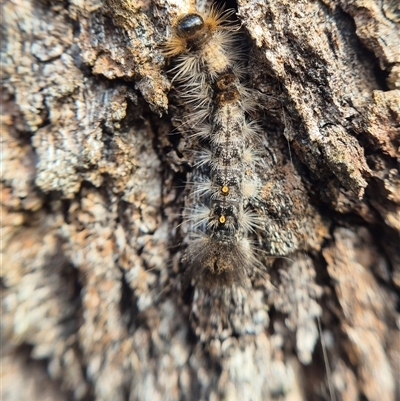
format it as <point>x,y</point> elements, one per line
<point>92,300</point>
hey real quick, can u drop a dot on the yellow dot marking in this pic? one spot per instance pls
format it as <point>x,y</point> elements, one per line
<point>225,190</point>
<point>222,219</point>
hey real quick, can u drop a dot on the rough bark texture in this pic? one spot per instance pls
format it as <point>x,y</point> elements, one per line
<point>92,191</point>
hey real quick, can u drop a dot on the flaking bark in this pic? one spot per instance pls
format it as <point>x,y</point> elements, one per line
<point>92,179</point>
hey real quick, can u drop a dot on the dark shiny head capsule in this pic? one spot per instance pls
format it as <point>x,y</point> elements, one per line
<point>190,25</point>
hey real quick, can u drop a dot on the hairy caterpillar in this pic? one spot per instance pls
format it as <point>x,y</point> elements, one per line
<point>220,257</point>
<point>224,167</point>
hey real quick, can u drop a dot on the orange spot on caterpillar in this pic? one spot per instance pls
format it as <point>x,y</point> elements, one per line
<point>222,219</point>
